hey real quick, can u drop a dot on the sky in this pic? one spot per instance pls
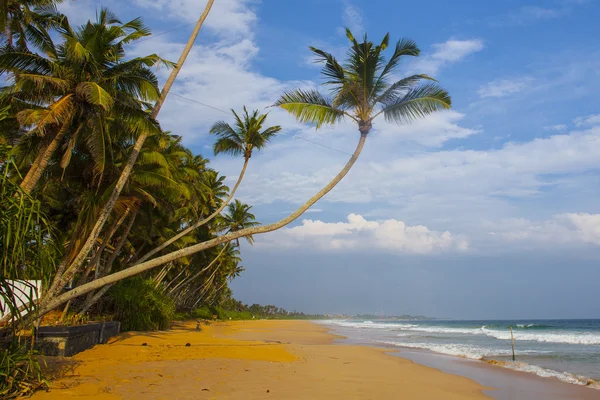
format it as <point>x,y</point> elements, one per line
<point>488,210</point>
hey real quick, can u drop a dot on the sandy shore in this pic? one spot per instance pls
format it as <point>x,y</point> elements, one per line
<point>247,360</point>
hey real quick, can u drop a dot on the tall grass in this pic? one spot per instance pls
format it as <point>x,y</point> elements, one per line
<point>25,235</point>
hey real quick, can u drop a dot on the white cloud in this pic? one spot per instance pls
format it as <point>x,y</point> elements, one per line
<point>504,87</point>
<point>227,17</point>
<point>425,184</point>
<point>359,234</point>
<point>557,128</point>
<point>590,120</point>
<point>565,229</point>
<point>432,131</point>
<point>353,18</point>
<point>530,14</point>
<point>446,53</point>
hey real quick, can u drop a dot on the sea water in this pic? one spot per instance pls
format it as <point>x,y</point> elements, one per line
<point>568,350</point>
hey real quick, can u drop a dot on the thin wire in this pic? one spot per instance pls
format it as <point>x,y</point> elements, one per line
<point>164,33</point>
<point>289,134</point>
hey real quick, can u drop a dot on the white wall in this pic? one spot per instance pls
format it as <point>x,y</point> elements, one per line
<point>24,291</point>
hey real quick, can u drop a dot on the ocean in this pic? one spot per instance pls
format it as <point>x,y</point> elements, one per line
<point>568,350</point>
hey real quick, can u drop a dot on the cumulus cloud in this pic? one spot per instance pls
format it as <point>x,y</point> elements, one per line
<point>446,53</point>
<point>227,17</point>
<point>504,87</point>
<point>359,234</point>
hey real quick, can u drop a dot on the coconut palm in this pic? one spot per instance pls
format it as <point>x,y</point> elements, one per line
<point>238,217</point>
<point>128,167</point>
<point>21,20</point>
<point>246,136</point>
<point>66,95</point>
<point>361,89</point>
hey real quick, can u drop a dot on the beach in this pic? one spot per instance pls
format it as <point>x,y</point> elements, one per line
<point>247,360</point>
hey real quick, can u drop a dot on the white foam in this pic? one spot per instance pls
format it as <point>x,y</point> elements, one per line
<point>549,373</point>
<point>369,325</point>
<point>480,353</point>
<point>459,350</point>
<point>547,337</point>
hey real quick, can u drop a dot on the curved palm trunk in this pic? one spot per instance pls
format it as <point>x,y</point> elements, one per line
<point>107,209</point>
<point>139,268</point>
<point>184,281</point>
<point>199,223</point>
<point>42,160</point>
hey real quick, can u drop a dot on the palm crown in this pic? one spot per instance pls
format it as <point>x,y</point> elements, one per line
<point>364,86</point>
<point>71,87</point>
<point>245,137</point>
<point>238,217</point>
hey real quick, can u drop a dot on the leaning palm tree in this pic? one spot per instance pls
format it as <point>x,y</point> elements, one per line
<point>246,136</point>
<point>104,214</point>
<point>361,89</point>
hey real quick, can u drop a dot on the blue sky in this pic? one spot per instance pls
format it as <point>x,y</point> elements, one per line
<point>486,211</point>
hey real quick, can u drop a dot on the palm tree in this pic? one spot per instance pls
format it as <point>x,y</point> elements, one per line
<point>128,167</point>
<point>79,80</point>
<point>247,136</point>
<point>26,18</point>
<point>361,89</point>
<point>238,217</point>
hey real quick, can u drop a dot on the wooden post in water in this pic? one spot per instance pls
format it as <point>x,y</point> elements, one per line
<point>512,339</point>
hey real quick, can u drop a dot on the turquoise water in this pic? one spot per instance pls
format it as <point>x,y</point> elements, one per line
<point>568,350</point>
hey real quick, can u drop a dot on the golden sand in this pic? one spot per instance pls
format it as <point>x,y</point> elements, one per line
<point>248,360</point>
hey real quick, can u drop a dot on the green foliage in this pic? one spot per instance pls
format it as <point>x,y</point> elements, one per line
<point>25,239</point>
<point>203,312</point>
<point>140,306</point>
<point>246,136</point>
<point>232,309</point>
<point>20,372</point>
<point>363,87</point>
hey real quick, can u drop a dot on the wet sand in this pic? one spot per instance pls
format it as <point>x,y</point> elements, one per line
<point>248,360</point>
<point>508,384</point>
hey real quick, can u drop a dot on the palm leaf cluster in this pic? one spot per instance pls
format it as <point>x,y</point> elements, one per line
<point>365,85</point>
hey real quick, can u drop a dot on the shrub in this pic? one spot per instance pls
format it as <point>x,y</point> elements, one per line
<point>140,306</point>
<point>20,372</point>
<point>203,312</point>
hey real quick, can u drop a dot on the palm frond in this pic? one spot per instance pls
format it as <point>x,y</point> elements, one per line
<point>417,103</point>
<point>95,94</point>
<point>401,86</point>
<point>332,69</point>
<point>310,106</point>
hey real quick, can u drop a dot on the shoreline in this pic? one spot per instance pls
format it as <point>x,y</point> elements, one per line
<point>248,360</point>
<point>508,383</point>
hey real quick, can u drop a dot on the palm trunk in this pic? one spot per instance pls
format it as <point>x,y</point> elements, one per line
<point>199,272</point>
<point>139,268</point>
<point>41,162</point>
<point>163,274</point>
<point>107,209</point>
<point>199,223</point>
<point>91,300</point>
<point>95,263</point>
